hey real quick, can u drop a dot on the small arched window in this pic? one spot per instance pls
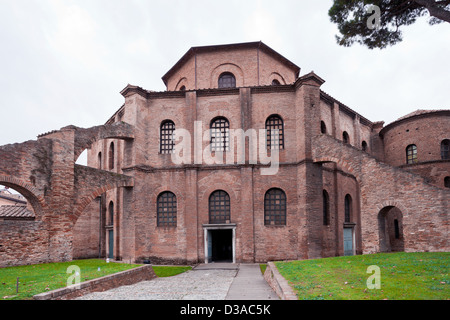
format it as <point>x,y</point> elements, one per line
<point>275,82</point>
<point>348,208</point>
<point>326,208</point>
<point>219,207</point>
<point>275,132</point>
<point>227,80</point>
<point>275,207</point>
<point>364,146</point>
<point>183,88</point>
<point>167,142</point>
<point>323,127</point>
<point>167,210</point>
<point>447,182</point>
<point>411,154</point>
<point>220,134</point>
<point>345,137</point>
<point>445,149</point>
<point>111,213</point>
<point>111,156</point>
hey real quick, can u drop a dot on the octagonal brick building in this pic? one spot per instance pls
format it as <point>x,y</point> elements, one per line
<point>242,159</point>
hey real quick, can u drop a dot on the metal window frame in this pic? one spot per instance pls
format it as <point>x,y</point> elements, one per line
<point>166,208</point>
<point>275,206</point>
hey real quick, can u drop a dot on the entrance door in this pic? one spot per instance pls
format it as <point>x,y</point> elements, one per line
<point>348,241</point>
<point>222,248</point>
<point>111,244</point>
<point>221,245</point>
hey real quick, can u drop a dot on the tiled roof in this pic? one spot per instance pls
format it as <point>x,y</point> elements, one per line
<point>15,212</point>
<point>416,113</point>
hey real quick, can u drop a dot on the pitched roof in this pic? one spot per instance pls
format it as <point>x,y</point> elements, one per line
<point>15,212</point>
<point>256,45</point>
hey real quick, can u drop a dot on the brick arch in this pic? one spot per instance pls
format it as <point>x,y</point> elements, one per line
<point>170,188</point>
<point>227,67</point>
<point>85,138</point>
<point>392,203</point>
<point>345,165</point>
<point>86,200</point>
<point>33,195</point>
<point>276,76</point>
<point>182,82</point>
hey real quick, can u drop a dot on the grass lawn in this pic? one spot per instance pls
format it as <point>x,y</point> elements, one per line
<point>169,271</point>
<point>35,279</point>
<point>403,276</point>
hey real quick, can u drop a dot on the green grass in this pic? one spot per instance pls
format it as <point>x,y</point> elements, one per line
<point>35,279</point>
<point>404,276</point>
<point>169,271</point>
<point>263,267</point>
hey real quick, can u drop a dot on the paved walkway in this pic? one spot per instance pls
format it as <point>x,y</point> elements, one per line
<point>215,281</point>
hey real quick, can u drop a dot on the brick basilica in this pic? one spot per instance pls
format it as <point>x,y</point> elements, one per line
<point>241,159</point>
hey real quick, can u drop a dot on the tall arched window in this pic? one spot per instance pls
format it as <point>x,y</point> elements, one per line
<point>99,160</point>
<point>411,154</point>
<point>111,213</point>
<point>345,137</point>
<point>220,134</point>
<point>326,208</point>
<point>166,137</point>
<point>275,132</point>
<point>445,149</point>
<point>323,127</point>
<point>275,207</point>
<point>348,208</point>
<point>166,210</point>
<point>111,156</point>
<point>227,80</point>
<point>219,207</point>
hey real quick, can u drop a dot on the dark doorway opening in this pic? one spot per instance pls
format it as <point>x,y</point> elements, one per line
<point>222,246</point>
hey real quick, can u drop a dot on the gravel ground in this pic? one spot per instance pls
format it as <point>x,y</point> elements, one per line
<point>191,285</point>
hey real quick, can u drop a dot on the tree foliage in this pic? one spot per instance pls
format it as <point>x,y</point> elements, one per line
<point>352,17</point>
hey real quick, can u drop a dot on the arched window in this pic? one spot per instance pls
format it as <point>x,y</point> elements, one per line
<point>227,80</point>
<point>111,213</point>
<point>166,210</point>
<point>445,149</point>
<point>323,127</point>
<point>411,154</point>
<point>345,137</point>
<point>219,207</point>
<point>166,137</point>
<point>275,132</point>
<point>275,82</point>
<point>99,160</point>
<point>348,208</point>
<point>275,207</point>
<point>111,156</point>
<point>220,134</point>
<point>326,208</point>
<point>364,146</point>
<point>183,88</point>
<point>447,182</point>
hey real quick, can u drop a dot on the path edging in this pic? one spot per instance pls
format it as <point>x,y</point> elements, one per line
<point>278,283</point>
<point>123,278</point>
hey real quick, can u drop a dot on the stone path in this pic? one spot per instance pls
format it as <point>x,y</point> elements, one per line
<point>205,282</point>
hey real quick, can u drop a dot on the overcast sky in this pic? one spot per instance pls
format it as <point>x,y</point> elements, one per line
<point>65,62</point>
